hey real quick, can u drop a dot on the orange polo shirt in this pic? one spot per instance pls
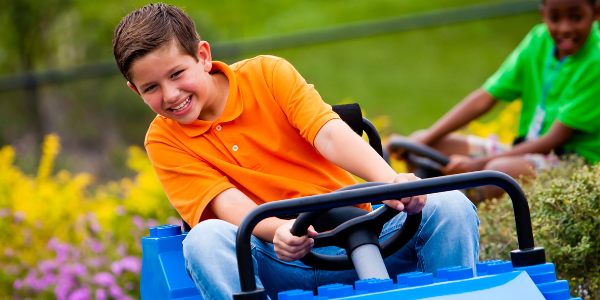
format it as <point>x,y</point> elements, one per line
<point>262,144</point>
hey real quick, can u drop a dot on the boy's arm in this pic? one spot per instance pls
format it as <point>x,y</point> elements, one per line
<point>470,108</point>
<point>557,136</point>
<point>232,206</point>
<point>343,147</point>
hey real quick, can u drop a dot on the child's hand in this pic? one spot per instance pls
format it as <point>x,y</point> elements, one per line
<point>410,205</point>
<point>289,247</point>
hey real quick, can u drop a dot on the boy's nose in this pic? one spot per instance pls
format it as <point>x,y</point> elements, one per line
<point>170,94</point>
<point>565,27</point>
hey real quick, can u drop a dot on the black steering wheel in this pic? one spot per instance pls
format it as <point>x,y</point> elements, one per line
<point>426,160</point>
<point>357,228</point>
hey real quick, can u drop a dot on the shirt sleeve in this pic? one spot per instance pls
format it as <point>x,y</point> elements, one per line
<point>190,183</point>
<point>300,102</point>
<point>581,110</point>
<point>506,83</point>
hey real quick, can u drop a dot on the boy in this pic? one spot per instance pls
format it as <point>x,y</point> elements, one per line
<point>228,138</point>
<point>555,73</point>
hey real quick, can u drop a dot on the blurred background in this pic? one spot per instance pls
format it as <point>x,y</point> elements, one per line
<point>406,59</point>
<point>77,191</point>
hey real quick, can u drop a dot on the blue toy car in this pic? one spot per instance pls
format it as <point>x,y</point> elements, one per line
<point>527,276</point>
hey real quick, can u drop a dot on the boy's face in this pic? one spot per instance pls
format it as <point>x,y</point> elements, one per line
<point>172,83</point>
<point>569,23</point>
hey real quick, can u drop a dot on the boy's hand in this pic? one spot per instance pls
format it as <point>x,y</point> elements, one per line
<point>462,164</point>
<point>289,247</point>
<point>410,205</point>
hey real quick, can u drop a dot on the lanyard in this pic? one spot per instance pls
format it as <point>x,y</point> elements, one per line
<point>549,76</point>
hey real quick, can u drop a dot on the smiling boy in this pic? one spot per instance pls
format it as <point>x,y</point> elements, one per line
<point>229,138</point>
<point>555,72</point>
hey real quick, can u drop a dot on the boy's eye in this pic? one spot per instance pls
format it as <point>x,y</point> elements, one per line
<point>176,74</point>
<point>577,17</point>
<point>554,18</point>
<point>149,88</point>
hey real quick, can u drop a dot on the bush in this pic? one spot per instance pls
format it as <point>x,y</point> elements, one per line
<point>564,204</point>
<point>64,238</point>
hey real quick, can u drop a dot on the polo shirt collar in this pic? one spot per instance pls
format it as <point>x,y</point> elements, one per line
<point>232,110</point>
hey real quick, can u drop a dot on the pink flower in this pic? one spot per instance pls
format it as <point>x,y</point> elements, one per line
<point>152,223</point>
<point>120,210</point>
<point>121,250</point>
<point>95,246</point>
<point>115,291</point>
<point>78,269</point>
<point>4,212</point>
<point>80,294</point>
<point>19,216</point>
<point>101,294</point>
<point>9,252</point>
<point>18,284</point>
<point>116,268</point>
<point>104,279</point>
<point>47,265</point>
<point>138,221</point>
<point>132,264</point>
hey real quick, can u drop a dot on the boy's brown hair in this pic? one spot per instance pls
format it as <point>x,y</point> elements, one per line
<point>151,27</point>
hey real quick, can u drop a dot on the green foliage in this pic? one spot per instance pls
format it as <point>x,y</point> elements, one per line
<point>61,235</point>
<point>564,204</point>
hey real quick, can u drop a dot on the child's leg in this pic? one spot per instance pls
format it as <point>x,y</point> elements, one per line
<point>209,251</point>
<point>452,143</point>
<point>448,236</point>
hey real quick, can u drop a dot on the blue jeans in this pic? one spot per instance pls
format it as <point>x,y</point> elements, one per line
<point>448,236</point>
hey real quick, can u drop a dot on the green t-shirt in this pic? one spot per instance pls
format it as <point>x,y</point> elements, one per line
<point>573,99</point>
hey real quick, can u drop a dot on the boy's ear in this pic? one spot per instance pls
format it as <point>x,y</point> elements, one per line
<point>133,88</point>
<point>597,11</point>
<point>541,10</point>
<point>204,56</point>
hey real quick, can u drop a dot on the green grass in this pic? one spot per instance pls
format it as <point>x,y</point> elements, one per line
<point>413,77</point>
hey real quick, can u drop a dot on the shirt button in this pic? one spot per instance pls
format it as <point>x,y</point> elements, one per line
<point>235,148</point>
<point>219,127</point>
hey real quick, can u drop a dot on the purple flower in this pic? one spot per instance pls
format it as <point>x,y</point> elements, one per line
<point>104,279</point>
<point>95,227</point>
<point>30,278</point>
<point>78,269</point>
<point>95,245</point>
<point>9,252</point>
<point>152,223</point>
<point>52,243</point>
<point>19,216</point>
<point>115,291</point>
<point>130,285</point>
<point>80,294</point>
<point>116,268</point>
<point>4,212</point>
<point>138,221</point>
<point>121,250</point>
<point>131,263</point>
<point>47,265</point>
<point>101,294</point>
<point>64,271</point>
<point>46,280</point>
<point>174,221</point>
<point>120,210</point>
<point>18,284</point>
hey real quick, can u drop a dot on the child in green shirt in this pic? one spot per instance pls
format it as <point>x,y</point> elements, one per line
<point>555,71</point>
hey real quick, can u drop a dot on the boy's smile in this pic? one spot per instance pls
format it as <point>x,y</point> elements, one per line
<point>179,87</point>
<point>569,23</point>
